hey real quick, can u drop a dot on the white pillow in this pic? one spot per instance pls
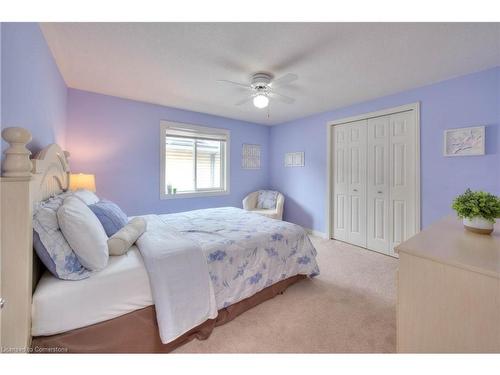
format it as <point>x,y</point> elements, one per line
<point>86,196</point>
<point>121,241</point>
<point>84,233</point>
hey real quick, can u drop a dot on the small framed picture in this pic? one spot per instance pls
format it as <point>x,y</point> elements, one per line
<point>294,159</point>
<point>250,156</point>
<point>464,141</point>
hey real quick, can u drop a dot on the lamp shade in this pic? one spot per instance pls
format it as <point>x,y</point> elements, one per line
<point>82,181</point>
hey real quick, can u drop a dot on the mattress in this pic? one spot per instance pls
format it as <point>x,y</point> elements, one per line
<point>63,305</point>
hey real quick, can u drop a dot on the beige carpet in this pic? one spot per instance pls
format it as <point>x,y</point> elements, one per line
<point>350,307</point>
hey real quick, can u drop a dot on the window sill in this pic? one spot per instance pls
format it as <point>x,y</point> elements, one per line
<point>200,194</point>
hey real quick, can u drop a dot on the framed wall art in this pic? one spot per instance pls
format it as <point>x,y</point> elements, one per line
<point>464,141</point>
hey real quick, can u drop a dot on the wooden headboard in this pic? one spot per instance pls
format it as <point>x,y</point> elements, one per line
<point>25,181</point>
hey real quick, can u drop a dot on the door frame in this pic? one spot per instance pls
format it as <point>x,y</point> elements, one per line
<point>365,116</point>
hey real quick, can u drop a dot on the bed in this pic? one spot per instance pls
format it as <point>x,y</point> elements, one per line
<point>248,258</point>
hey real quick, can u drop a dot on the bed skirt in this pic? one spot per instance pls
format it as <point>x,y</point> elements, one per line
<point>137,332</point>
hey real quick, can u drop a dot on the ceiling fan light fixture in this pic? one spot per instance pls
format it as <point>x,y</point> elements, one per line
<point>261,101</point>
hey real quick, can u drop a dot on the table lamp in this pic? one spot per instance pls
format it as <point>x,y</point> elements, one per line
<point>82,181</point>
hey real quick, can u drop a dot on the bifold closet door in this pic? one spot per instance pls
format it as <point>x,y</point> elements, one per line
<point>357,183</point>
<point>374,172</point>
<point>378,184</point>
<point>340,144</point>
<point>349,171</point>
<point>402,178</point>
<point>391,191</point>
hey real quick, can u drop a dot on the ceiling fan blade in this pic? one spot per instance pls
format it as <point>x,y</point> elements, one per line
<point>284,80</point>
<point>283,98</point>
<point>246,86</point>
<point>244,101</point>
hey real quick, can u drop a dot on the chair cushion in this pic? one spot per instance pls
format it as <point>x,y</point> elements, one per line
<point>110,215</point>
<point>273,214</point>
<point>267,199</point>
<point>84,233</point>
<point>51,246</point>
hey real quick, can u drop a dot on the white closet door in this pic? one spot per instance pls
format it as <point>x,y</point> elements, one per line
<point>357,183</point>
<point>402,130</point>
<point>341,182</point>
<point>378,184</point>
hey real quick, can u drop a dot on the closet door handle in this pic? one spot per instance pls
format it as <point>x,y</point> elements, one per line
<point>355,190</point>
<point>379,192</point>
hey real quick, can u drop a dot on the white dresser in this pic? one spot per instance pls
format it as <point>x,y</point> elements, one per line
<point>449,291</point>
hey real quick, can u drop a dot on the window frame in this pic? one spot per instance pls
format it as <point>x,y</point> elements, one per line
<point>225,161</point>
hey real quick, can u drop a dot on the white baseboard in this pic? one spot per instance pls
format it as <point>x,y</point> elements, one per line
<point>316,233</point>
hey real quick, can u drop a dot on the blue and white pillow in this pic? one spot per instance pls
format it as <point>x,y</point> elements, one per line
<point>267,199</point>
<point>110,215</point>
<point>43,254</point>
<point>50,244</point>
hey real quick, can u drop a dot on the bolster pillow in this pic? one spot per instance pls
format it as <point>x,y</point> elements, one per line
<point>121,241</point>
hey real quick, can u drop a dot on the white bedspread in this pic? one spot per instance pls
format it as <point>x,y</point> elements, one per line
<point>179,277</point>
<point>204,260</point>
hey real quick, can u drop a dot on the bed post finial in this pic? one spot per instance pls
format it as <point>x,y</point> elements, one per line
<point>17,157</point>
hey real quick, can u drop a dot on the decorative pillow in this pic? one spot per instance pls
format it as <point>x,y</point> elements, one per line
<point>86,196</point>
<point>267,199</point>
<point>43,254</point>
<point>51,246</point>
<point>84,233</point>
<point>122,240</point>
<point>110,215</point>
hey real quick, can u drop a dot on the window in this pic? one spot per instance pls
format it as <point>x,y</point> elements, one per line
<point>194,161</point>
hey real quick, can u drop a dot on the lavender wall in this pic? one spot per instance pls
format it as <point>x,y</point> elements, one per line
<point>118,140</point>
<point>465,101</point>
<point>33,91</point>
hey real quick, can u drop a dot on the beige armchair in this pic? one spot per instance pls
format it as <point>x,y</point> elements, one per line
<point>250,204</point>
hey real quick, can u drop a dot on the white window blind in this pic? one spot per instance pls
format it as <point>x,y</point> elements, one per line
<point>194,160</point>
<point>196,132</point>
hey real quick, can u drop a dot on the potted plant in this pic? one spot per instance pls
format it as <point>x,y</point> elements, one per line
<point>478,210</point>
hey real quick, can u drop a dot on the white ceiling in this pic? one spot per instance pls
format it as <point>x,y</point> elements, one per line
<point>178,64</point>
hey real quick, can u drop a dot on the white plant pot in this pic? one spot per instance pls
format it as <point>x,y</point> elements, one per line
<point>478,225</point>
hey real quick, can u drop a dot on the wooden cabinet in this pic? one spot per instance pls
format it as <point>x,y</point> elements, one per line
<point>449,291</point>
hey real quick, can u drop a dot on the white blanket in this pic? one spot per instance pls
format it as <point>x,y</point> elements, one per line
<point>179,277</point>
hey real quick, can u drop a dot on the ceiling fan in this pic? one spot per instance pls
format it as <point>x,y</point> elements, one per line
<point>262,87</point>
